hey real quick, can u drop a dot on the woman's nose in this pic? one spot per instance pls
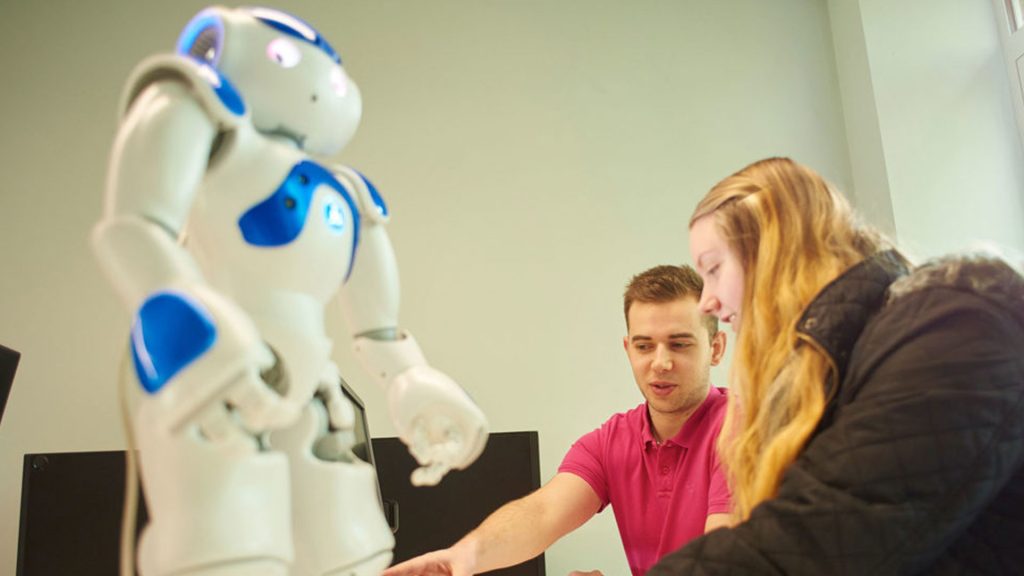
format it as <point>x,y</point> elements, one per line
<point>708,304</point>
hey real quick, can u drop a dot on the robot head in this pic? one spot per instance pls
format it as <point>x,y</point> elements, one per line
<point>290,77</point>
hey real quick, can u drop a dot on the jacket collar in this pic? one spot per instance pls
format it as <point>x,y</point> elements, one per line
<point>839,313</point>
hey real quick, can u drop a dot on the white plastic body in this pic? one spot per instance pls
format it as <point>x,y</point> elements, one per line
<point>231,480</point>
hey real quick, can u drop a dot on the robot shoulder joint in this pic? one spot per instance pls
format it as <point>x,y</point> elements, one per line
<point>209,87</point>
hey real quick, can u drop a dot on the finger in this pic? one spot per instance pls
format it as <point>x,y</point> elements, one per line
<point>430,474</point>
<point>435,441</point>
<point>426,565</point>
<point>217,425</point>
<point>419,444</point>
<point>253,401</point>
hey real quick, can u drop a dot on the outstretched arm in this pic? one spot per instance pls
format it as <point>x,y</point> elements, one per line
<point>433,415</point>
<point>514,533</point>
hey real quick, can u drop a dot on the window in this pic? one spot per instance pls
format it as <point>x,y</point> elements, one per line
<point>1015,15</point>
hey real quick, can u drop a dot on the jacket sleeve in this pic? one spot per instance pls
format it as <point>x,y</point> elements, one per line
<point>928,428</point>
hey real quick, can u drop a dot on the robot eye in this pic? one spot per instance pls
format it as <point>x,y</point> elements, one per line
<point>339,83</point>
<point>284,52</point>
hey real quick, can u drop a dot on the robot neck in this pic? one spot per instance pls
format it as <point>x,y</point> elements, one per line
<point>283,135</point>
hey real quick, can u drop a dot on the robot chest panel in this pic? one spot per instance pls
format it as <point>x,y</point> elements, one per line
<point>277,219</point>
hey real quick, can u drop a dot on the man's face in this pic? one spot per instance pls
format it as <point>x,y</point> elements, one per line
<point>671,354</point>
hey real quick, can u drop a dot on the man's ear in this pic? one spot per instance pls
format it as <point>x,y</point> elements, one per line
<point>625,344</point>
<point>717,347</point>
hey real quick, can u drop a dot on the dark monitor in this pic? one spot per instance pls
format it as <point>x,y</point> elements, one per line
<point>8,366</point>
<point>71,502</point>
<point>71,505</point>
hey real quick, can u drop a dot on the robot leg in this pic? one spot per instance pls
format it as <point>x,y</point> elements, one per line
<point>339,527</point>
<point>216,508</point>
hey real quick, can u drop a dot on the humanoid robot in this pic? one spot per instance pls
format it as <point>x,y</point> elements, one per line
<point>226,240</point>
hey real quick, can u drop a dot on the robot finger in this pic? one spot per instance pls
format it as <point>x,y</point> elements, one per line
<point>430,437</point>
<point>419,444</point>
<point>458,445</point>
<point>335,447</point>
<point>259,408</point>
<point>216,424</point>
<point>340,412</point>
<point>430,474</point>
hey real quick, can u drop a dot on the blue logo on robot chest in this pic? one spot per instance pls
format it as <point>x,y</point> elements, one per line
<point>334,215</point>
<point>280,218</point>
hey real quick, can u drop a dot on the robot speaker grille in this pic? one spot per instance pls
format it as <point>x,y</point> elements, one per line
<point>205,46</point>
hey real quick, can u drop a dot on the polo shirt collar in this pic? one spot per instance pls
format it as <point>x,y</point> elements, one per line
<point>687,431</point>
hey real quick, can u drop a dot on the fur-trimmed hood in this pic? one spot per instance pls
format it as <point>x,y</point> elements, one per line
<point>987,275</point>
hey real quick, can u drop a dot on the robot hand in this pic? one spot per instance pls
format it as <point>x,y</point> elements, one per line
<point>340,437</point>
<point>440,423</point>
<point>201,360</point>
<point>340,413</point>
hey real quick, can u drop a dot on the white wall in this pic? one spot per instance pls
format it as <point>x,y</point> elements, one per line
<point>870,190</point>
<point>943,140</point>
<point>536,154</point>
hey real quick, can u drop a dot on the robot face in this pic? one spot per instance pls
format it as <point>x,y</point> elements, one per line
<point>290,77</point>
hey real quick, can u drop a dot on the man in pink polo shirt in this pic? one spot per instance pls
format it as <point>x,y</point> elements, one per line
<point>655,465</point>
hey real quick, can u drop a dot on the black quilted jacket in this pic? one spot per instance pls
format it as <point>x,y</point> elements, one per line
<point>918,464</point>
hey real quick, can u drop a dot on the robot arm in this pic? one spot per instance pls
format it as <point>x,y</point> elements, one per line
<point>434,416</point>
<point>158,160</point>
<point>183,330</point>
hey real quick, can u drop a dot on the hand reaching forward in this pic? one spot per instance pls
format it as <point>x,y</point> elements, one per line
<point>447,562</point>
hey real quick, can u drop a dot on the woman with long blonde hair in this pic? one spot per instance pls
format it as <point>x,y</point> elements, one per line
<point>876,423</point>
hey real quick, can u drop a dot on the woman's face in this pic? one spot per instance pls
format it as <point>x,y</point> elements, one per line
<point>721,270</point>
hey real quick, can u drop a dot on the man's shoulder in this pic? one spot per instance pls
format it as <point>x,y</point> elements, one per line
<point>630,421</point>
<point>718,397</point>
<point>717,405</point>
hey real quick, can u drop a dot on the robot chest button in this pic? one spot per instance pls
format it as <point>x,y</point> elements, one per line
<point>280,218</point>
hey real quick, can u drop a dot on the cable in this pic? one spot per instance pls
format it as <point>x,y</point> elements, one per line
<point>131,477</point>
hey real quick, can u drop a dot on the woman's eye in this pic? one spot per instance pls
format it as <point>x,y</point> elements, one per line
<point>284,52</point>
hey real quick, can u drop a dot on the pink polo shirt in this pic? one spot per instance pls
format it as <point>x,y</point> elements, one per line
<point>661,494</point>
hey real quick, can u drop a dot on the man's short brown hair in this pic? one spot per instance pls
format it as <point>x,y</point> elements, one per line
<point>663,284</point>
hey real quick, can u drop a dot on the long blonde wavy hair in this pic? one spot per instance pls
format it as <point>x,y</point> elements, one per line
<point>793,234</point>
